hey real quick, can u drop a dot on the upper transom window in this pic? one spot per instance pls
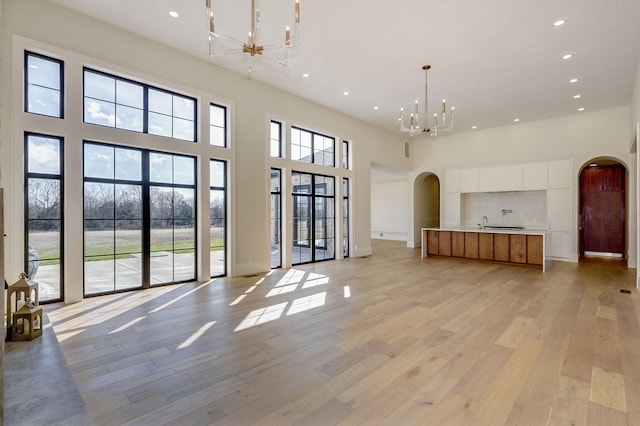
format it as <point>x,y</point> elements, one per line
<point>217,125</point>
<point>43,91</point>
<point>312,147</point>
<point>124,104</point>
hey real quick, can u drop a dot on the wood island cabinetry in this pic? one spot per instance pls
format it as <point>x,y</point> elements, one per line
<point>471,245</point>
<point>535,255</point>
<point>432,242</point>
<point>501,247</point>
<point>516,248</point>
<point>444,243</point>
<point>485,244</point>
<point>457,244</point>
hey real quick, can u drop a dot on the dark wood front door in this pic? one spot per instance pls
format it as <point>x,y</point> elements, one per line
<point>602,202</point>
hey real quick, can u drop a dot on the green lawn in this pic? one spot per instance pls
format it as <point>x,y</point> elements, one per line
<point>100,244</point>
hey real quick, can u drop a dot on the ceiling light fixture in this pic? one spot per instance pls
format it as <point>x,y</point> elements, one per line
<point>581,109</point>
<point>516,119</point>
<point>559,22</point>
<point>573,80</point>
<point>415,128</point>
<point>221,44</point>
<point>346,93</point>
<point>174,14</point>
<point>577,96</point>
<point>567,56</point>
<point>376,108</point>
<point>306,75</point>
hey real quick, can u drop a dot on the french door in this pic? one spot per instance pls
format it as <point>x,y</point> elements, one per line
<point>139,218</point>
<point>313,199</point>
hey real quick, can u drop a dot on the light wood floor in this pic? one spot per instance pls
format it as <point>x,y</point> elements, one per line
<point>389,339</point>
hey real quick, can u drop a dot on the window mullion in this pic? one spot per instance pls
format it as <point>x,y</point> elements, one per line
<point>145,109</point>
<point>146,222</point>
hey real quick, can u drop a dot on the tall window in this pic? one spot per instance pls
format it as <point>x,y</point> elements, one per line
<point>345,217</point>
<point>276,139</point>
<point>313,198</point>
<point>139,218</point>
<point>172,199</point>
<point>345,154</point>
<point>113,218</point>
<point>218,214</point>
<point>276,218</point>
<point>312,147</point>
<point>124,104</point>
<point>43,210</point>
<point>217,125</point>
<point>43,85</point>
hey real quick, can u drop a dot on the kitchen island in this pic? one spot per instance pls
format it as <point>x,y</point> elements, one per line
<point>506,245</point>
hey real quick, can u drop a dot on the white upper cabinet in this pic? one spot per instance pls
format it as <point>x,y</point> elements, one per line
<point>469,180</point>
<point>534,176</point>
<point>560,174</point>
<point>500,178</point>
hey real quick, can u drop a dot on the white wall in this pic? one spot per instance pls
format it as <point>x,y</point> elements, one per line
<point>578,138</point>
<point>635,118</point>
<point>46,27</point>
<point>389,210</point>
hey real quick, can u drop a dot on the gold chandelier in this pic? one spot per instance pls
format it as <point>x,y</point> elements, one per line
<point>415,127</point>
<point>221,44</point>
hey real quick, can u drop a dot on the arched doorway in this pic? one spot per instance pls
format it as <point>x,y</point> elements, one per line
<point>426,202</point>
<point>603,212</point>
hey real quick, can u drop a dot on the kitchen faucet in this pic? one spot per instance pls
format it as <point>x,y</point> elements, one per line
<point>484,221</point>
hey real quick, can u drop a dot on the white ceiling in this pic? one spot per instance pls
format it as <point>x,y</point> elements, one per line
<point>495,61</point>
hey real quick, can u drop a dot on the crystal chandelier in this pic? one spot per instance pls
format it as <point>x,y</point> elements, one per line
<point>221,44</point>
<point>415,127</point>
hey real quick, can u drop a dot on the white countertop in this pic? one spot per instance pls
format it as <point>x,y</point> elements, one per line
<point>492,230</point>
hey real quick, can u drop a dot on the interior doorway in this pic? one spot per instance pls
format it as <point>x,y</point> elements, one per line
<point>603,212</point>
<point>426,205</point>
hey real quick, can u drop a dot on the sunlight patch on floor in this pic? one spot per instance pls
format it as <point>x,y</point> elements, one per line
<point>68,334</point>
<point>282,290</point>
<point>171,302</point>
<point>293,276</point>
<point>127,325</point>
<point>262,315</point>
<point>308,302</point>
<point>238,300</point>
<point>347,291</point>
<point>314,282</point>
<point>195,336</point>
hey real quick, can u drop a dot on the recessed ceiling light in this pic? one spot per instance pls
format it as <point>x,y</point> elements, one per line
<point>567,56</point>
<point>346,93</point>
<point>376,108</point>
<point>174,14</point>
<point>581,109</point>
<point>577,96</point>
<point>306,75</point>
<point>474,127</point>
<point>573,80</point>
<point>559,22</point>
<point>516,119</point>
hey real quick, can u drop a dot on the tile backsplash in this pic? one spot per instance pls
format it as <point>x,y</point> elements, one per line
<point>521,208</point>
